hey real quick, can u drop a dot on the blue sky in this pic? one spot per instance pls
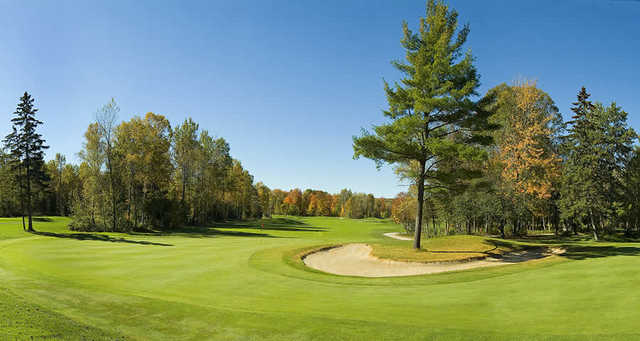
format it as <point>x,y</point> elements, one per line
<point>288,83</point>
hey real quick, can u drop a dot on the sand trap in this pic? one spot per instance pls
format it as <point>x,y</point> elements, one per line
<point>356,260</point>
<point>397,235</point>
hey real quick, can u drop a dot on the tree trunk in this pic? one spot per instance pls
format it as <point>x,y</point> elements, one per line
<point>112,185</point>
<point>593,227</point>
<point>433,222</point>
<point>93,211</point>
<point>29,204</point>
<point>24,227</point>
<point>420,184</point>
<point>184,183</point>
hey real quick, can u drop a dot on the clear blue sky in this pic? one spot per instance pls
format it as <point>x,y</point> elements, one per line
<point>288,83</point>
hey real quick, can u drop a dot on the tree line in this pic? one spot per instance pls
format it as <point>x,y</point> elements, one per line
<point>137,174</point>
<point>504,163</point>
<point>320,203</point>
<point>143,173</point>
<point>542,173</point>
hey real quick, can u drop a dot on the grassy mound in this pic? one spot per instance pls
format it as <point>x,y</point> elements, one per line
<point>445,249</point>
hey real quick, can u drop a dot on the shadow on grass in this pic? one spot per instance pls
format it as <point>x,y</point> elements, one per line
<point>507,245</point>
<point>488,252</point>
<point>202,232</point>
<point>579,252</point>
<point>275,224</point>
<point>618,237</point>
<point>42,219</point>
<point>18,220</point>
<point>573,250</point>
<point>551,239</point>
<point>97,237</point>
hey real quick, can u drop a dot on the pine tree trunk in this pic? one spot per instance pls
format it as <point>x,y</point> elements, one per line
<point>418,229</point>
<point>29,204</point>
<point>433,222</point>
<point>24,227</point>
<point>593,227</point>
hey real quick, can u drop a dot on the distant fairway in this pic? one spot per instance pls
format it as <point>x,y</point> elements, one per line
<point>241,282</point>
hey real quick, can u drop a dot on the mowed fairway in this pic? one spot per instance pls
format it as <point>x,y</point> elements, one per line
<point>241,282</point>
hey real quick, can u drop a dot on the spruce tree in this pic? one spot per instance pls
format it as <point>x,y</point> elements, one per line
<point>26,148</point>
<point>596,148</point>
<point>433,119</point>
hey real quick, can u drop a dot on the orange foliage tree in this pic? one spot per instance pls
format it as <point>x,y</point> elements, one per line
<point>530,165</point>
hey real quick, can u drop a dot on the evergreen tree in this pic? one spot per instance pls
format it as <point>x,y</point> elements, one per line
<point>596,148</point>
<point>9,197</point>
<point>433,118</point>
<point>26,148</point>
<point>632,192</point>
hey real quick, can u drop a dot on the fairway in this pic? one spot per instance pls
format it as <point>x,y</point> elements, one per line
<point>242,282</point>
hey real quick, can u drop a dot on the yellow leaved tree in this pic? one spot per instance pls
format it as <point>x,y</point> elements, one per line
<point>530,164</point>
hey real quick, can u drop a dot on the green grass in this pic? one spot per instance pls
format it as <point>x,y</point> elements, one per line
<point>242,281</point>
<point>445,249</point>
<point>20,319</point>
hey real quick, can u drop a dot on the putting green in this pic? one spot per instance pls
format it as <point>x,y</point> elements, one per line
<point>239,282</point>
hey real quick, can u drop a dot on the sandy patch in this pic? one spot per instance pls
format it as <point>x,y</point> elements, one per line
<point>356,260</point>
<point>397,235</point>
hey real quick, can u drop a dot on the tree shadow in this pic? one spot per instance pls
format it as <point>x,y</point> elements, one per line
<point>203,232</point>
<point>276,224</point>
<point>97,237</point>
<point>582,237</point>
<point>552,239</point>
<point>571,249</point>
<point>488,252</point>
<point>505,245</point>
<point>279,228</point>
<point>42,219</point>
<point>580,252</point>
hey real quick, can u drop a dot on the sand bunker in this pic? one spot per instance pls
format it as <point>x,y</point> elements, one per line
<point>356,260</point>
<point>397,235</point>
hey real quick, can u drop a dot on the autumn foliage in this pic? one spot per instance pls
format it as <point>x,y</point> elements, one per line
<point>526,152</point>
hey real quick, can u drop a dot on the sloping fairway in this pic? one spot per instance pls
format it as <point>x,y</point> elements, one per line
<point>240,282</point>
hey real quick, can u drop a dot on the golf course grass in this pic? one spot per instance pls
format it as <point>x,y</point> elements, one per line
<point>242,281</point>
<point>446,249</point>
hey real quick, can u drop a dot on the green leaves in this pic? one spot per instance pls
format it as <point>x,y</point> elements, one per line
<point>26,148</point>
<point>597,147</point>
<point>433,119</point>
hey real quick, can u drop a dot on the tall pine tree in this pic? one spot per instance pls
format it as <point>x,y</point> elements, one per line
<point>432,116</point>
<point>26,148</point>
